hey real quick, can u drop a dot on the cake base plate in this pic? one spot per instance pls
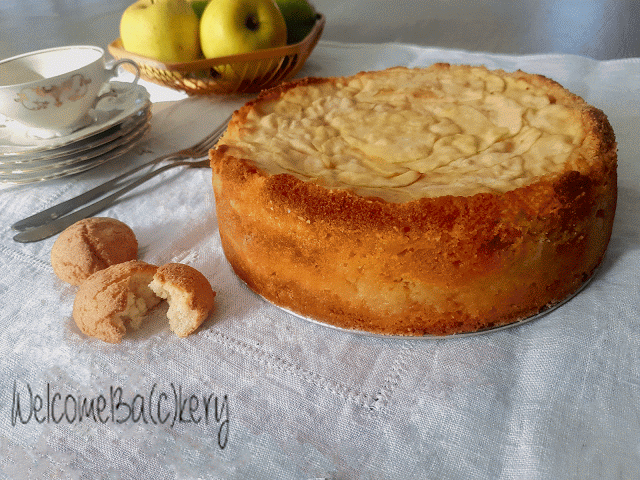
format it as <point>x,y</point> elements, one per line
<point>516,323</point>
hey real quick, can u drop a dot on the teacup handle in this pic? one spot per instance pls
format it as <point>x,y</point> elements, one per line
<point>113,71</point>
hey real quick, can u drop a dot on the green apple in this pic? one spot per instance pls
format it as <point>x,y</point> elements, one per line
<point>199,6</point>
<point>166,30</point>
<point>231,27</point>
<point>300,17</point>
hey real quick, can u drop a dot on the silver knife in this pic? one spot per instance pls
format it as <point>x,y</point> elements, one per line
<point>59,224</point>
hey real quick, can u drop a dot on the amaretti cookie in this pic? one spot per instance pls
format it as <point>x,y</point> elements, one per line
<point>90,245</point>
<point>428,201</point>
<point>114,299</point>
<point>188,293</point>
<point>120,297</point>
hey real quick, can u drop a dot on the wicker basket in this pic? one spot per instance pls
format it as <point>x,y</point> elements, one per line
<point>244,73</point>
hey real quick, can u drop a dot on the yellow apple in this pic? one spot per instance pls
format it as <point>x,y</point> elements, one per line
<point>231,27</point>
<point>299,16</point>
<point>166,30</point>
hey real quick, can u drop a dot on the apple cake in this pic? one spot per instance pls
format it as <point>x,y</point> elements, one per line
<point>426,201</point>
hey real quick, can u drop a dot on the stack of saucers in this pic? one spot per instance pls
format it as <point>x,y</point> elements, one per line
<point>114,127</point>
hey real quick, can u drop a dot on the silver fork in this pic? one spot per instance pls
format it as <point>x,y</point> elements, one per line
<point>57,225</point>
<point>50,214</point>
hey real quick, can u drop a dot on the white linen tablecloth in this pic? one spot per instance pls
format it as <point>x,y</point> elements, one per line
<point>257,393</point>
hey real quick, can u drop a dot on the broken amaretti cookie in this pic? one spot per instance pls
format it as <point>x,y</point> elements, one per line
<point>119,297</point>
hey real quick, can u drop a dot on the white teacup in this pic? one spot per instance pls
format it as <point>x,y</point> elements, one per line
<point>53,90</point>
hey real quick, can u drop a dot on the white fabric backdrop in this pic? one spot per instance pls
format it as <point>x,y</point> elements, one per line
<point>555,398</point>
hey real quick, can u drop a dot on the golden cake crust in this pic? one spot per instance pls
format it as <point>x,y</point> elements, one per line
<point>434,265</point>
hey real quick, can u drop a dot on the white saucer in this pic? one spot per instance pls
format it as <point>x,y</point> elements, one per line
<point>104,154</point>
<point>77,150</point>
<point>116,136</point>
<point>17,140</point>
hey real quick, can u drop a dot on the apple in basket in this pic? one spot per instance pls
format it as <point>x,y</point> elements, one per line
<point>198,6</point>
<point>166,30</point>
<point>300,18</point>
<point>231,27</point>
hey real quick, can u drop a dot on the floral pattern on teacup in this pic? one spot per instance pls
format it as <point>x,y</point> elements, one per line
<point>38,98</point>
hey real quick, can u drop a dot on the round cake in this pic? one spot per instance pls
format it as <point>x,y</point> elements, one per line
<point>427,201</point>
